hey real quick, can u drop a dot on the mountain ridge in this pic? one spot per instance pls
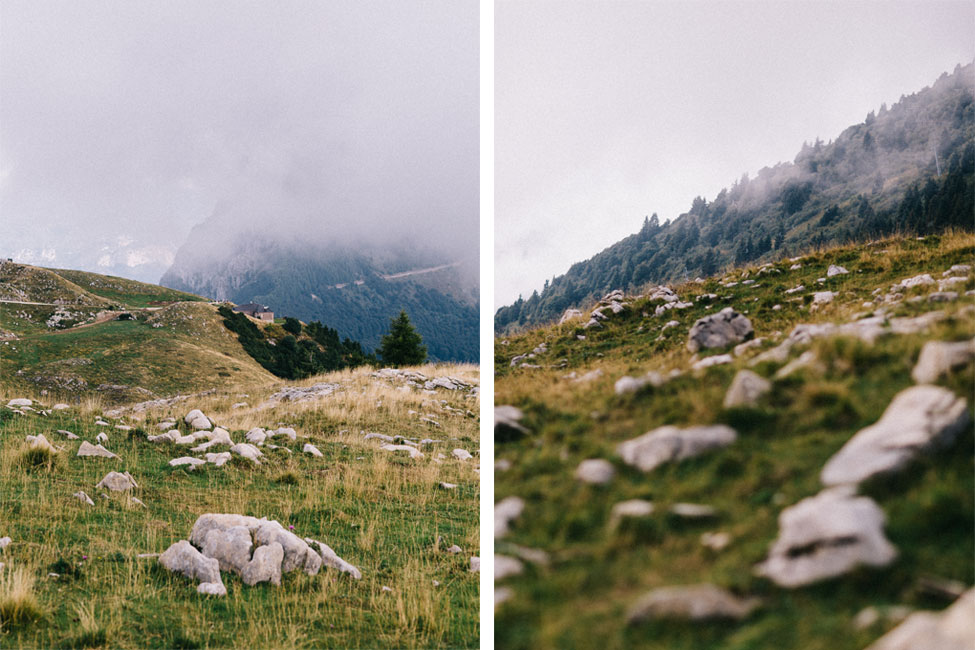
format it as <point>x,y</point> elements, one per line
<point>907,168</point>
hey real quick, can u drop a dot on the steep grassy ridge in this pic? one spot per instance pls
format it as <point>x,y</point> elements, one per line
<point>596,572</point>
<point>123,291</point>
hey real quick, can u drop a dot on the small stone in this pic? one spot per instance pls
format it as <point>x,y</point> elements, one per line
<point>101,437</point>
<point>311,449</point>
<point>88,449</point>
<point>67,434</point>
<point>506,511</point>
<point>84,498</point>
<point>632,508</point>
<point>413,451</point>
<point>475,564</point>
<point>248,451</point>
<point>454,549</point>
<point>505,567</point>
<point>669,443</point>
<point>461,454</point>
<point>448,486</point>
<point>186,460</point>
<point>117,482</point>
<point>596,471</point>
<point>693,511</point>
<point>715,541</point>
<point>746,389</point>
<point>692,603</point>
<point>835,270</point>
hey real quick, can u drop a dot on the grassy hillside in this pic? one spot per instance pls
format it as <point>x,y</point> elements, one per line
<point>596,571</point>
<point>74,347</point>
<point>76,572</point>
<point>123,291</point>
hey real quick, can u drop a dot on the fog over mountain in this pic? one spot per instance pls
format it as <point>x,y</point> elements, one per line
<point>125,124</point>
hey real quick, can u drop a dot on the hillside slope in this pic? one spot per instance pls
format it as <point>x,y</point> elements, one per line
<point>578,561</point>
<point>72,344</point>
<point>909,168</point>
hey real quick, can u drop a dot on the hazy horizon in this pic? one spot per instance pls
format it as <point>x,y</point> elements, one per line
<point>123,125</point>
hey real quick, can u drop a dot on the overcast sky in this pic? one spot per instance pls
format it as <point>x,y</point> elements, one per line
<point>125,123</point>
<point>609,111</point>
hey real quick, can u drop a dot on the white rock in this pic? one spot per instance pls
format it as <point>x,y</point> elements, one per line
<point>448,486</point>
<point>823,297</point>
<point>922,280</point>
<point>708,362</point>
<point>19,401</point>
<point>693,510</point>
<point>67,434</point>
<point>88,449</point>
<point>505,567</point>
<point>570,314</point>
<point>212,588</point>
<point>917,420</point>
<point>5,542</point>
<point>715,541</point>
<point>690,602</point>
<point>220,459</point>
<point>475,564</point>
<point>248,451</point>
<point>331,559</point>
<point>256,436</point>
<point>454,549</point>
<point>461,454</point>
<point>506,511</point>
<point>101,437</point>
<point>746,389</point>
<point>172,436</point>
<point>311,449</point>
<point>938,358</point>
<point>595,470</point>
<point>40,442</point>
<point>183,558</point>
<point>186,460</point>
<point>719,330</point>
<point>952,629</point>
<point>825,536</point>
<point>669,443</point>
<point>835,270</point>
<point>81,496</point>
<point>117,482</point>
<point>285,431</point>
<point>633,508</point>
<point>412,451</point>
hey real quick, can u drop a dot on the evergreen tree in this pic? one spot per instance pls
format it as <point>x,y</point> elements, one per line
<point>403,346</point>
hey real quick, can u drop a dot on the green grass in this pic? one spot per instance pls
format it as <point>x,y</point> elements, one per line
<point>380,512</point>
<point>596,572</point>
<point>123,291</point>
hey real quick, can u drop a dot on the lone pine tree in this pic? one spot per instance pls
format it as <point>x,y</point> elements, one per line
<point>403,346</point>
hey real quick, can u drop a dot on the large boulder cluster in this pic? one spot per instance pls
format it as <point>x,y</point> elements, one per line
<point>257,550</point>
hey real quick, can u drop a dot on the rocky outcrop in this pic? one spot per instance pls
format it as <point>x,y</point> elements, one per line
<point>917,420</point>
<point>952,629</point>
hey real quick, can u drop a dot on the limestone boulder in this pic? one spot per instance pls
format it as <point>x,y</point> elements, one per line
<point>825,536</point>
<point>183,558</point>
<point>264,566</point>
<point>670,443</point>
<point>725,328</point>
<point>917,420</point>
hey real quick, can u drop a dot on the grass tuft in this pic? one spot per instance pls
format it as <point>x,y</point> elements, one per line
<point>18,602</point>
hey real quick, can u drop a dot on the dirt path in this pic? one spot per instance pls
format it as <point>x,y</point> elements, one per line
<point>431,269</point>
<point>102,317</point>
